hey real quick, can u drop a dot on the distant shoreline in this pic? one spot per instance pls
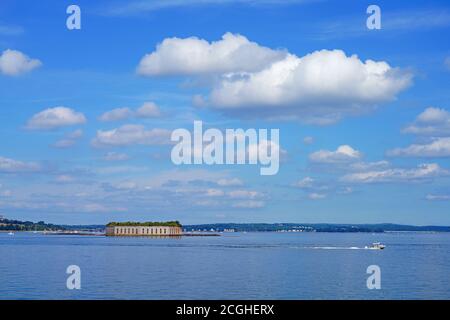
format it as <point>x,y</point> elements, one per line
<point>7,225</point>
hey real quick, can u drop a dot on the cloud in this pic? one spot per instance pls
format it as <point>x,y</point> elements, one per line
<point>116,114</point>
<point>393,22</point>
<point>14,63</point>
<point>147,110</point>
<point>8,165</point>
<point>432,122</point>
<point>344,159</point>
<point>439,147</point>
<point>124,185</point>
<point>421,173</point>
<point>131,134</point>
<point>53,118</point>
<point>345,190</point>
<point>64,143</point>
<point>447,63</point>
<point>214,193</point>
<point>305,183</point>
<point>8,30</point>
<point>263,146</point>
<point>258,82</point>
<point>4,192</point>
<point>317,196</point>
<point>64,178</point>
<point>193,56</point>
<point>231,182</point>
<point>142,6</point>
<point>315,189</point>
<point>75,134</point>
<point>114,156</point>
<point>320,88</point>
<point>437,197</point>
<point>366,166</point>
<point>417,19</point>
<point>112,170</point>
<point>343,154</point>
<point>308,140</point>
<point>248,204</point>
<point>97,207</point>
<point>244,194</point>
<point>69,140</point>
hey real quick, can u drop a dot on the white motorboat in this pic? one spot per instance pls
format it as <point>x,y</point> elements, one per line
<point>376,246</point>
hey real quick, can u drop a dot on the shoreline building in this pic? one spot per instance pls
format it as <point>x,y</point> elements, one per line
<point>144,229</point>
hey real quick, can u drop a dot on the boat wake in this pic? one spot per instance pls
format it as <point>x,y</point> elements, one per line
<point>335,248</point>
<point>338,248</point>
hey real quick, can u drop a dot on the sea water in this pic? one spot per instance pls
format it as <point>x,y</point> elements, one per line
<point>231,266</point>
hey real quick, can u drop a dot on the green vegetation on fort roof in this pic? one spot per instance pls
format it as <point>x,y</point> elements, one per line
<point>144,224</point>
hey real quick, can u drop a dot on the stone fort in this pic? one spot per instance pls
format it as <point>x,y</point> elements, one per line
<point>135,229</point>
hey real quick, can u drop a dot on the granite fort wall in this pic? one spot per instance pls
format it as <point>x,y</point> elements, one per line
<point>143,231</point>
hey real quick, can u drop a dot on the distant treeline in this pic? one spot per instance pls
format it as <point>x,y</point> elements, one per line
<point>145,224</point>
<point>15,225</point>
<point>321,227</point>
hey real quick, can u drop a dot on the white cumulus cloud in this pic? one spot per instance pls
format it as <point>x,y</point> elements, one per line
<point>321,88</point>
<point>439,147</point>
<point>343,154</point>
<point>432,122</point>
<point>57,117</point>
<point>14,63</point>
<point>194,56</point>
<point>148,110</point>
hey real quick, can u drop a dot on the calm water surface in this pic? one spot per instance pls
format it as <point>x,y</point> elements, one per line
<point>232,266</point>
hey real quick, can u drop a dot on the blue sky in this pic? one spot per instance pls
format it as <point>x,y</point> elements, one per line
<point>364,115</point>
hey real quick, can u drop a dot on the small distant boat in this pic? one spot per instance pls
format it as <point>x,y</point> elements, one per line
<point>376,246</point>
<point>10,233</point>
